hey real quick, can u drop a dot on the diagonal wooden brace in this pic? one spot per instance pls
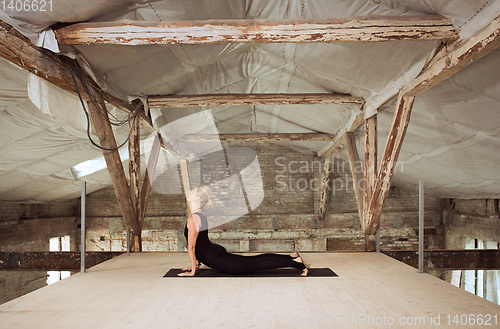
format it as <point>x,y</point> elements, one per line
<point>107,140</point>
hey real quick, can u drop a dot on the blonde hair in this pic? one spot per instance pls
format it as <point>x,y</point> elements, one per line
<point>205,193</point>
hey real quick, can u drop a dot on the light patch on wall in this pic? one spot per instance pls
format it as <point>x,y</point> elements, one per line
<point>59,243</point>
<point>91,166</point>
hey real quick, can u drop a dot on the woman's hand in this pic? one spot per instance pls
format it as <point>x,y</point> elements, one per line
<point>190,273</point>
<point>189,268</point>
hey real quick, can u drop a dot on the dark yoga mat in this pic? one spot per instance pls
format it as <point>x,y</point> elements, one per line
<point>279,272</point>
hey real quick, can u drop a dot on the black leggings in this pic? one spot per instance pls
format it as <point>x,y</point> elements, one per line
<point>219,259</point>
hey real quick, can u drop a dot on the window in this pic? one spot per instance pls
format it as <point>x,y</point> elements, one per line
<point>60,243</point>
<point>483,283</point>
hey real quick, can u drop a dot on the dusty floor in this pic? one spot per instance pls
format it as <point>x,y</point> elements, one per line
<point>372,291</point>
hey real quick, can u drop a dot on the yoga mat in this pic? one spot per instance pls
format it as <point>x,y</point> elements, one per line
<point>279,272</point>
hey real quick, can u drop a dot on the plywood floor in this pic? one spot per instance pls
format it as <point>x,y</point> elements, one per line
<point>130,292</point>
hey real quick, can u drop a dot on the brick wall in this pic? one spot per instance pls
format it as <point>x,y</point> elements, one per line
<point>28,227</point>
<point>475,219</point>
<point>285,220</point>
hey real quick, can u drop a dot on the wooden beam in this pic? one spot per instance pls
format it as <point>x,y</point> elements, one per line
<point>19,50</point>
<point>351,29</point>
<point>134,151</point>
<point>449,60</point>
<point>495,211</point>
<point>107,140</point>
<point>257,137</point>
<point>52,260</point>
<point>374,205</point>
<point>185,182</point>
<point>150,174</point>
<point>476,259</point>
<point>454,57</point>
<point>339,141</point>
<point>251,99</point>
<point>356,171</point>
<point>370,163</point>
<point>325,189</point>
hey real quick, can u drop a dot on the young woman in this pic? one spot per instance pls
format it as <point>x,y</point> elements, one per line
<point>202,250</point>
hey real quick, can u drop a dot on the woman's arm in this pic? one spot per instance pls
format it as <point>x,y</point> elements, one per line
<point>193,225</point>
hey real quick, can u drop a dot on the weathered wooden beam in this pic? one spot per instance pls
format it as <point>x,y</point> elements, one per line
<point>150,174</point>
<point>325,189</point>
<point>375,204</point>
<point>134,165</point>
<point>356,171</point>
<point>449,60</point>
<point>366,29</point>
<point>52,260</point>
<point>251,99</point>
<point>476,259</point>
<point>454,57</point>
<point>185,182</point>
<point>370,163</point>
<point>257,137</point>
<point>19,50</point>
<point>339,140</point>
<point>107,140</point>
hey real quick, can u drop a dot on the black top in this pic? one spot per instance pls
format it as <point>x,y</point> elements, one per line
<point>203,243</point>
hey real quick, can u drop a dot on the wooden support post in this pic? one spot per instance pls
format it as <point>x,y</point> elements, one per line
<point>373,210</point>
<point>351,29</point>
<point>495,211</point>
<point>185,182</point>
<point>370,229</point>
<point>148,176</point>
<point>325,188</point>
<point>107,140</point>
<point>356,171</point>
<point>134,151</point>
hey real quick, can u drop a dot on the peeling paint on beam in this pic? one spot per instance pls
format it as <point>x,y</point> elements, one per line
<point>258,137</point>
<point>351,29</point>
<point>51,261</point>
<point>454,57</point>
<point>252,99</point>
<point>339,141</point>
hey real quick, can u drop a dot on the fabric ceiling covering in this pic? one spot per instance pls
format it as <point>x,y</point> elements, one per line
<point>452,141</point>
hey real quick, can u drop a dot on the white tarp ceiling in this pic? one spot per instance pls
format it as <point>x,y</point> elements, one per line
<point>452,141</point>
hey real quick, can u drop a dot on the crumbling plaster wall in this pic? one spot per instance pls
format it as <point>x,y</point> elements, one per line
<point>28,227</point>
<point>475,218</point>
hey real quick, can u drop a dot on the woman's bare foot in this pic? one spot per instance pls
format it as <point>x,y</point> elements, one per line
<point>296,257</point>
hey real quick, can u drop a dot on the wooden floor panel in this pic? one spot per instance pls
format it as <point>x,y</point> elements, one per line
<point>130,292</point>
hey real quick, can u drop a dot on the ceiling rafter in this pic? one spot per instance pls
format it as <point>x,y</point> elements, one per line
<point>252,99</point>
<point>350,29</point>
